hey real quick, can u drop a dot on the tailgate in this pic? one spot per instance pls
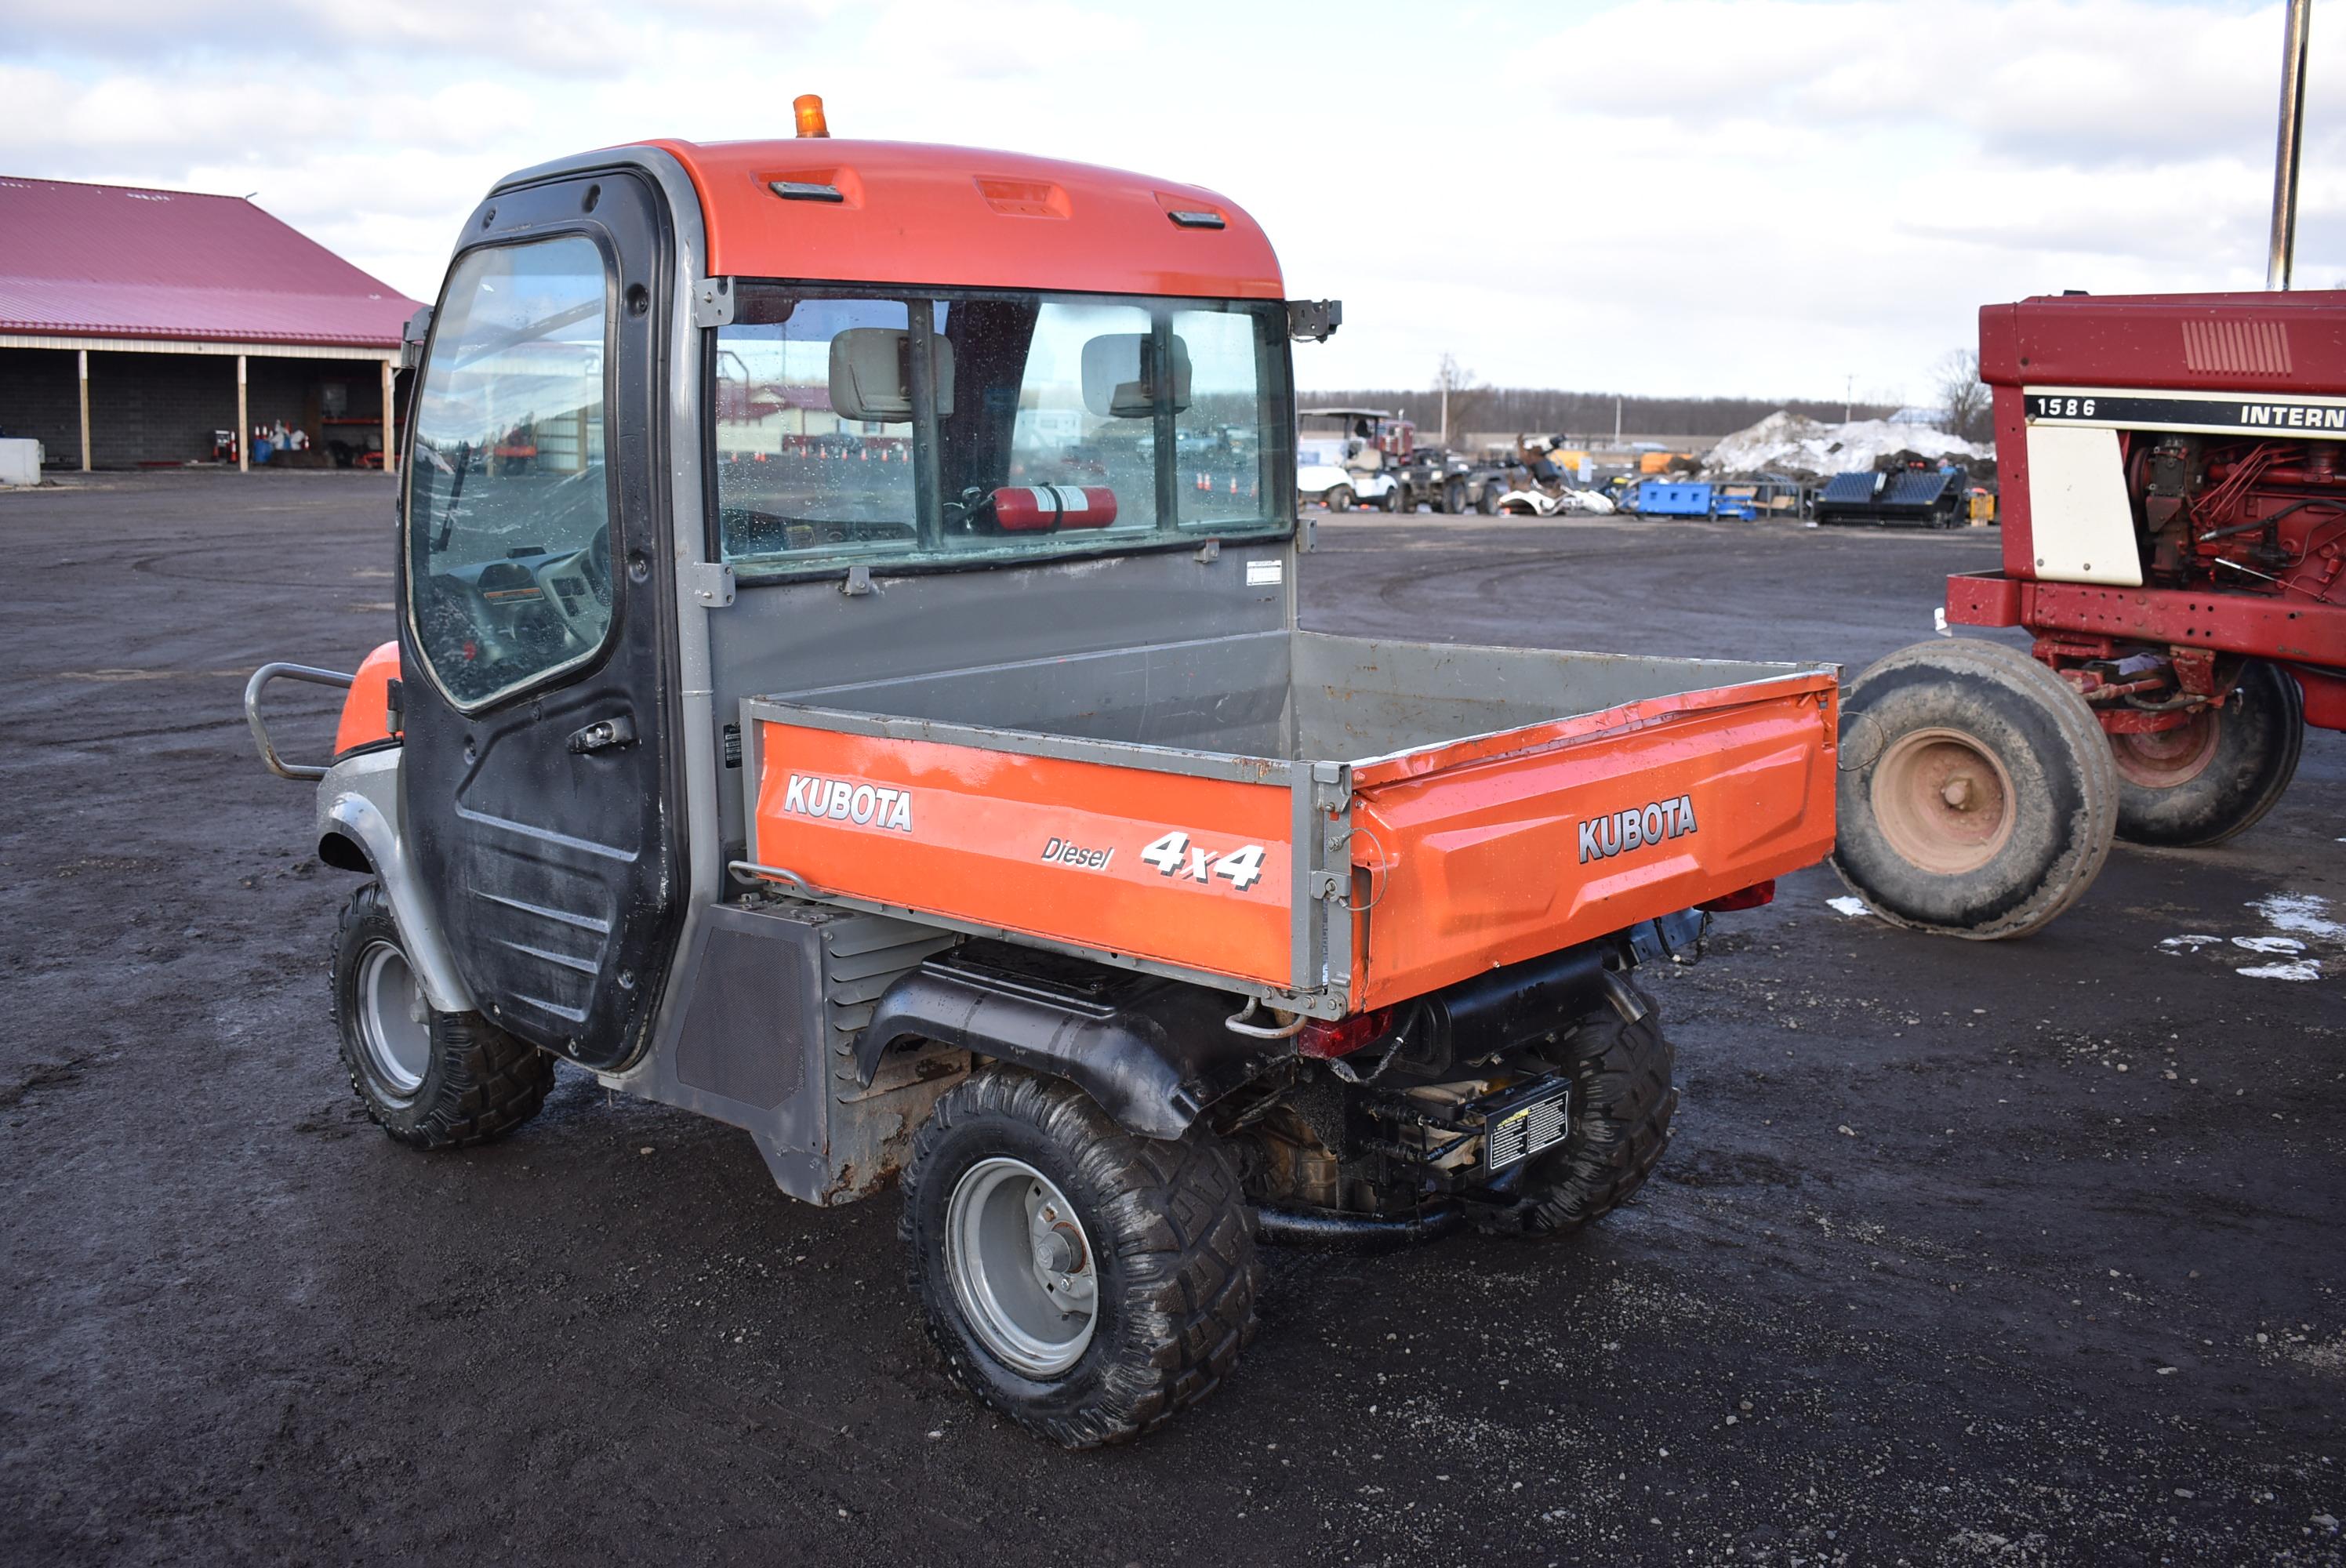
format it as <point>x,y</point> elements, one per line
<point>1505,846</point>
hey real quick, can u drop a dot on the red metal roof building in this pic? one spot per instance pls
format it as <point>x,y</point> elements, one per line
<point>201,313</point>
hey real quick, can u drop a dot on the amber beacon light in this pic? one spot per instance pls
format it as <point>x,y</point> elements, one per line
<point>808,107</point>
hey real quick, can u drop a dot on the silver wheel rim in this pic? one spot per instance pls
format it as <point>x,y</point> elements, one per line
<point>1022,1267</point>
<point>394,1021</point>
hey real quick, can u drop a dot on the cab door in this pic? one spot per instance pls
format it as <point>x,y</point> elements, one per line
<point>537,637</point>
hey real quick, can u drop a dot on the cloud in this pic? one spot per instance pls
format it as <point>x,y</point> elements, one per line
<point>1727,196</point>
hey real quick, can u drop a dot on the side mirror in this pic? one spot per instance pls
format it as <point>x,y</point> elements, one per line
<point>871,374</point>
<point>1120,375</point>
<point>412,336</point>
<point>1314,318</point>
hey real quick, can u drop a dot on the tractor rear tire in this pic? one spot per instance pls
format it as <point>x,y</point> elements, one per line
<point>1022,1195</point>
<point>431,1080</point>
<point>1622,1097</point>
<point>1977,794</point>
<point>2216,775</point>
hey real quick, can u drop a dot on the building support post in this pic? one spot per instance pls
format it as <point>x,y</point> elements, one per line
<point>83,356</point>
<point>390,453</point>
<point>243,423</point>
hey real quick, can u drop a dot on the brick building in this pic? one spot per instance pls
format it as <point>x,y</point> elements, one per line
<point>136,325</point>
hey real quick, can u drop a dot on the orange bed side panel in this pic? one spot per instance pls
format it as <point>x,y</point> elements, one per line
<point>1504,860</point>
<point>366,711</point>
<point>1185,870</point>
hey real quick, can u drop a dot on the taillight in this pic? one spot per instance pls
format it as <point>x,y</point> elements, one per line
<point>1323,1040</point>
<point>1749,898</point>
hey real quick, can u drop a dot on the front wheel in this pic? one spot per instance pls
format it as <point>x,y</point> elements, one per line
<point>1977,797</point>
<point>2219,772</point>
<point>1340,499</point>
<point>1397,499</point>
<point>1487,503</point>
<point>1084,1282</point>
<point>1623,1095</point>
<point>431,1080</point>
<point>1453,498</point>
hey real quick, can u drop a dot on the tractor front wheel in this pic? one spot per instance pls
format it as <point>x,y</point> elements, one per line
<point>1977,795</point>
<point>2217,773</point>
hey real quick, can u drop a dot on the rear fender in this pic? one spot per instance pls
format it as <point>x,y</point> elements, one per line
<point>358,828</point>
<point>1153,1054</point>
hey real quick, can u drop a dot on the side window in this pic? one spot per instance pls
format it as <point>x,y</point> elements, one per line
<point>508,510</point>
<point>814,431</point>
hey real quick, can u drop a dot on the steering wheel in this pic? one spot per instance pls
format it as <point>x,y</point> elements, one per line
<point>597,564</point>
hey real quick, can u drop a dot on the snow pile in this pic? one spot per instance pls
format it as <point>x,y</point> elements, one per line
<point>1791,442</point>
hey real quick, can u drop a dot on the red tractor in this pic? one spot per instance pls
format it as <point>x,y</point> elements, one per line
<point>2173,512</point>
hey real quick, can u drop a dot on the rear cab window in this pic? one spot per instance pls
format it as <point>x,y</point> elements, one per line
<point>963,427</point>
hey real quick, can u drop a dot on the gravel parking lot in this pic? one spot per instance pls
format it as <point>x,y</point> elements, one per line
<point>2026,1252</point>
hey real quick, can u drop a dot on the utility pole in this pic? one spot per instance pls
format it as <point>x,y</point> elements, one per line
<point>2282,255</point>
<point>1848,396</point>
<point>1616,422</point>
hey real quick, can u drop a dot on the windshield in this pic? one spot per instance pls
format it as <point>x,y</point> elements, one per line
<point>964,426</point>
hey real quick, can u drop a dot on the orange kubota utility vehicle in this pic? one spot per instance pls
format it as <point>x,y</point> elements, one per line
<point>874,714</point>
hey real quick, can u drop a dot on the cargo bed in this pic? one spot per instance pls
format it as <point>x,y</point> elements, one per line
<point>1327,823</point>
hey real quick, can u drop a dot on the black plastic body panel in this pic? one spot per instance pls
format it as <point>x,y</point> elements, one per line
<point>1152,1053</point>
<point>558,873</point>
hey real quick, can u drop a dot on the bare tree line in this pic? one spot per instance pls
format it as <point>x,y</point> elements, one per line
<point>1584,415</point>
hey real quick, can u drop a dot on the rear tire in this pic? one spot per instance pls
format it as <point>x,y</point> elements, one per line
<point>1158,1233</point>
<point>1623,1095</point>
<point>431,1080</point>
<point>2219,774</point>
<point>1977,795</point>
<point>1453,499</point>
<point>1397,499</point>
<point>1487,503</point>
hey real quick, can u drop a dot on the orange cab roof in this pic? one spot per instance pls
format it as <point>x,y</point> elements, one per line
<point>958,216</point>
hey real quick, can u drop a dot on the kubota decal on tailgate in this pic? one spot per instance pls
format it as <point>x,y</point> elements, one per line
<point>1084,851</point>
<point>1603,837</point>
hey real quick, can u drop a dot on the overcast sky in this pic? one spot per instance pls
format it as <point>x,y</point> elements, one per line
<point>1728,197</point>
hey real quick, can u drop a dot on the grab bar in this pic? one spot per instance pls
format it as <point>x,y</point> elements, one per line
<point>259,683</point>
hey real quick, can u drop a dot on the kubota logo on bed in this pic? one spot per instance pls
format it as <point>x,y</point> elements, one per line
<point>1601,837</point>
<point>845,801</point>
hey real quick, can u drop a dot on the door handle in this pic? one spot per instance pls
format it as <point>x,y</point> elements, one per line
<point>604,734</point>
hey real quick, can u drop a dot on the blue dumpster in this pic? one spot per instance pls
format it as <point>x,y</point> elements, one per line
<point>1658,498</point>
